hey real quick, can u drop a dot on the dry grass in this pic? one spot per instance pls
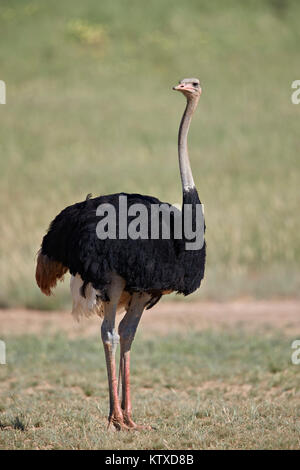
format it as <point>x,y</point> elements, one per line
<point>207,382</point>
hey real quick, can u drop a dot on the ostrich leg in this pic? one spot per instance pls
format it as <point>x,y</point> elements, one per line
<point>110,340</point>
<point>127,329</point>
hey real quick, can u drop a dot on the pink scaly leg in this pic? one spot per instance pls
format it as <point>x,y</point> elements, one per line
<point>110,340</point>
<point>127,329</point>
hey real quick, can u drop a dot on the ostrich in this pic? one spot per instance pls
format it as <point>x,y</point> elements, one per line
<point>121,275</point>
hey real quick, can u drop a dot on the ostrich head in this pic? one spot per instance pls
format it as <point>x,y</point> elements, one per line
<point>190,87</point>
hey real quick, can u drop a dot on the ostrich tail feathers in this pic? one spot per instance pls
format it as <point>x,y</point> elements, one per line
<point>48,272</point>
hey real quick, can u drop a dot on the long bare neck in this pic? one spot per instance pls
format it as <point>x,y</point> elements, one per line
<point>187,180</point>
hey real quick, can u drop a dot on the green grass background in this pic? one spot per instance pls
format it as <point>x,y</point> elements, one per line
<point>204,390</point>
<point>90,109</point>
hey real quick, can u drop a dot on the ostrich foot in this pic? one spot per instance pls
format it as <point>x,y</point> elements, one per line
<point>133,426</point>
<point>118,423</point>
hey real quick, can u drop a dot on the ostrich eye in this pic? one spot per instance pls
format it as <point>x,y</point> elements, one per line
<point>195,84</point>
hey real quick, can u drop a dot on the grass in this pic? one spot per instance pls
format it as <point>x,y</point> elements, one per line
<point>90,109</point>
<point>215,389</point>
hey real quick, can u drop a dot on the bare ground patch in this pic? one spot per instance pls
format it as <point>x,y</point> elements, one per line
<point>164,318</point>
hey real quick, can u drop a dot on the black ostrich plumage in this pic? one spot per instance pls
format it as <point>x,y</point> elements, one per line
<point>147,265</point>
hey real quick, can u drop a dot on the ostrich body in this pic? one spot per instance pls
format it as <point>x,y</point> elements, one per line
<point>109,276</point>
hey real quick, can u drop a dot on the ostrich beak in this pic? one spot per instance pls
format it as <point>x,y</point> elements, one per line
<point>183,87</point>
